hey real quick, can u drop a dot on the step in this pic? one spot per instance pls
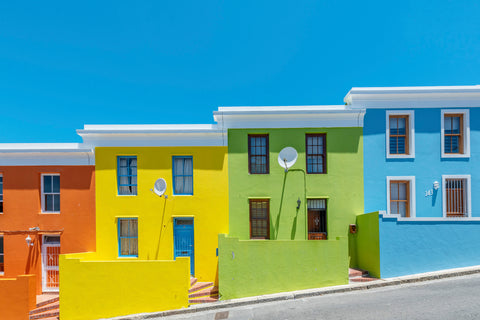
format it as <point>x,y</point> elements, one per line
<point>47,300</point>
<point>52,306</point>
<point>202,300</point>
<point>193,281</point>
<point>45,314</point>
<point>352,272</point>
<point>362,279</point>
<point>200,286</point>
<point>208,292</point>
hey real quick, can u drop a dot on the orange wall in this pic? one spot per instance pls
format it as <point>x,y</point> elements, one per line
<point>22,210</point>
<point>17,297</point>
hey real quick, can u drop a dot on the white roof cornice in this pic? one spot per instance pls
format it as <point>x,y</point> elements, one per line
<point>45,154</point>
<point>288,117</point>
<point>152,135</point>
<point>414,97</point>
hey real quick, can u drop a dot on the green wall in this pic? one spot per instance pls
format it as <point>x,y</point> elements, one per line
<point>256,267</point>
<point>342,185</point>
<point>367,243</point>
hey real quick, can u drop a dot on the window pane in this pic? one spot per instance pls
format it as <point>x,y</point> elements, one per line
<point>56,202</point>
<point>401,125</point>
<point>47,183</point>
<point>123,228</point>
<point>402,209</point>
<point>393,208</point>
<point>56,184</point>
<point>455,125</point>
<point>394,191</point>
<point>48,202</point>
<point>402,188</point>
<point>133,228</point>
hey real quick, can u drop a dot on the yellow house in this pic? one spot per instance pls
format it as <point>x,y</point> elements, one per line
<point>161,201</point>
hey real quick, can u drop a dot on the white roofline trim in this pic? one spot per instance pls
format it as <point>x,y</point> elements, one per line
<point>414,97</point>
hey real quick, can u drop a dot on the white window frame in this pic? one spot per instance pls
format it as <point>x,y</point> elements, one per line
<point>411,180</point>
<point>411,133</point>
<point>43,193</point>
<point>466,133</point>
<point>2,193</point>
<point>467,177</point>
<point>3,254</point>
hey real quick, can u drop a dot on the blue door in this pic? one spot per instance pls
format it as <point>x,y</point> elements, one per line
<point>183,240</point>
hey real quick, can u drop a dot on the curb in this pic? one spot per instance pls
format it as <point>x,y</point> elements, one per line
<point>421,277</point>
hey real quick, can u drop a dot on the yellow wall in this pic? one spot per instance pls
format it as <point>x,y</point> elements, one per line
<point>92,289</point>
<point>208,205</point>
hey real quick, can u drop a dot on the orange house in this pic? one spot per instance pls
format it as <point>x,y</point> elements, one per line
<point>47,208</point>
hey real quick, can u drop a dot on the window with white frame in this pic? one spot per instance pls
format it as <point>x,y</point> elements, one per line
<point>456,196</point>
<point>455,133</point>
<point>51,193</point>
<point>400,134</point>
<point>1,193</point>
<point>401,196</point>
<point>2,262</point>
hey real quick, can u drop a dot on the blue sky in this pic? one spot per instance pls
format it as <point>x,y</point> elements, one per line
<point>64,64</point>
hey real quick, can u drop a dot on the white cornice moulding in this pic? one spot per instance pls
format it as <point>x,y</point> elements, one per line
<point>45,154</point>
<point>414,97</point>
<point>288,117</point>
<point>153,135</point>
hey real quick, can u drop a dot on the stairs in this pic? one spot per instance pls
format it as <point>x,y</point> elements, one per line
<point>202,292</point>
<point>359,275</point>
<point>47,308</point>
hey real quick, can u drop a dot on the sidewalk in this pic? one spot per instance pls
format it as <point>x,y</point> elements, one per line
<point>307,293</point>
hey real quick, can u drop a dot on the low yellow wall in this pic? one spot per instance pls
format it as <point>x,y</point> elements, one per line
<point>91,289</point>
<point>17,297</point>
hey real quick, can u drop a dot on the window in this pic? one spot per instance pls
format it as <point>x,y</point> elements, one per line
<point>2,263</point>
<point>1,193</point>
<point>456,196</point>
<point>258,154</point>
<point>316,153</point>
<point>128,237</point>
<point>127,175</point>
<point>51,193</point>
<point>400,133</point>
<point>455,133</point>
<point>317,219</point>
<point>401,196</point>
<point>183,175</point>
<point>260,219</point>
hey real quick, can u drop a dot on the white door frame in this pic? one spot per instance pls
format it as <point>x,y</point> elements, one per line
<point>48,264</point>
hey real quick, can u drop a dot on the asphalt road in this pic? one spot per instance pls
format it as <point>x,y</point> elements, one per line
<point>451,298</point>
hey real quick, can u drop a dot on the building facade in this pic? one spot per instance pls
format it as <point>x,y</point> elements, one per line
<point>165,233</point>
<point>295,222</point>
<point>421,164</point>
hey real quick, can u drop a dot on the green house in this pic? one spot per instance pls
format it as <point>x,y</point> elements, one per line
<point>289,215</point>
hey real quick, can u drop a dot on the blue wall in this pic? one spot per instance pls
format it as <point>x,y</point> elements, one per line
<point>409,247</point>
<point>427,166</point>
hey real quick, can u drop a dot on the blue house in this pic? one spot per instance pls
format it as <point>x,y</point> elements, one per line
<point>421,179</point>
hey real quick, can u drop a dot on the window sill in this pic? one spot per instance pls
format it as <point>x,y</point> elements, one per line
<point>455,155</point>
<point>426,219</point>
<point>182,194</point>
<point>50,212</point>
<point>128,257</point>
<point>400,156</point>
<point>126,195</point>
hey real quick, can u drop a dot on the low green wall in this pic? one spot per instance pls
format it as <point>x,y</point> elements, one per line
<point>256,267</point>
<point>367,243</point>
<point>103,289</point>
